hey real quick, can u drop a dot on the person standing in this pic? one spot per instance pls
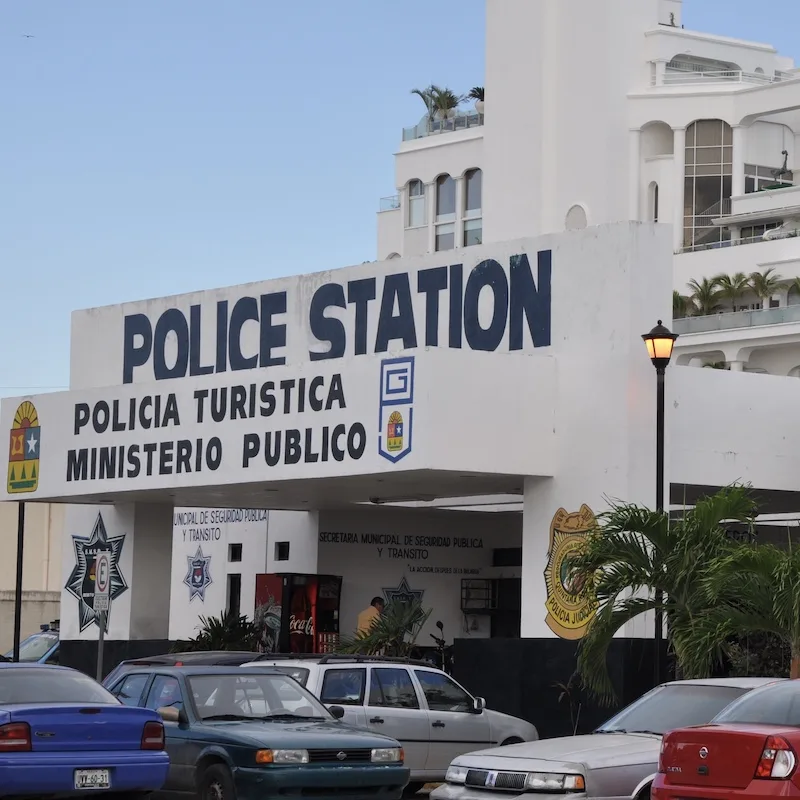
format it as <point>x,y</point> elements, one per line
<point>368,617</point>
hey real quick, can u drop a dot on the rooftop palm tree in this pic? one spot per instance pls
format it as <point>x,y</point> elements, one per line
<point>476,93</point>
<point>680,305</point>
<point>753,589</point>
<point>705,295</point>
<point>445,102</point>
<point>638,560</point>
<point>766,283</point>
<point>733,287</point>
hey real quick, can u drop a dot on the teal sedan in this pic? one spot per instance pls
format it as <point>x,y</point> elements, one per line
<point>233,734</point>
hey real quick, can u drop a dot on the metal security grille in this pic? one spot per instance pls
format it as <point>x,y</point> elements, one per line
<point>504,781</point>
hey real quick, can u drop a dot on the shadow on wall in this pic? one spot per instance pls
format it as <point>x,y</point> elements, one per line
<point>38,608</point>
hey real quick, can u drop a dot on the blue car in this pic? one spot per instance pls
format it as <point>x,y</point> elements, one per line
<point>61,733</point>
<point>38,648</point>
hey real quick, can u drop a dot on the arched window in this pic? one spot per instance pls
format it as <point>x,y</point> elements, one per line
<point>473,216</point>
<point>445,213</point>
<point>416,204</point>
<point>653,202</point>
<point>707,182</point>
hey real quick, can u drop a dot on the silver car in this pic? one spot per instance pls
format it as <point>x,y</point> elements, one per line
<point>618,760</point>
<point>432,716</point>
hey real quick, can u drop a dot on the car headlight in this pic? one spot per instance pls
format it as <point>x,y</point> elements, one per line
<point>282,757</point>
<point>388,755</point>
<point>456,774</point>
<point>554,782</point>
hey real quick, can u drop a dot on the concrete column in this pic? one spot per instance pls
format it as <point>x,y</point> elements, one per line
<point>459,222</point>
<point>661,69</point>
<point>739,142</point>
<point>635,175</point>
<point>679,167</point>
<point>736,366</point>
<point>430,214</point>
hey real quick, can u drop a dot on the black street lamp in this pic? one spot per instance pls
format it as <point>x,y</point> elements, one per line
<point>659,342</point>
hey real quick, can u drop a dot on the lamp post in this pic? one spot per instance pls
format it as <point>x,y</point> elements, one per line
<point>659,342</point>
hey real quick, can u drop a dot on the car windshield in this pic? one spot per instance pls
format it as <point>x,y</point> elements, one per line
<point>774,704</point>
<point>48,685</point>
<point>35,647</point>
<point>272,696</point>
<point>672,706</point>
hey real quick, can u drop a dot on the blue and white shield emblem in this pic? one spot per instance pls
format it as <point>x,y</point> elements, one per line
<point>396,408</point>
<point>198,577</point>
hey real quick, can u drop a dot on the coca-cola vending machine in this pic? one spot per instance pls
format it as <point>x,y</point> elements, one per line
<point>298,613</point>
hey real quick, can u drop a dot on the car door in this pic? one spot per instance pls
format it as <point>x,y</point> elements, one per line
<point>166,691</point>
<point>345,687</point>
<point>455,728</point>
<point>394,709</point>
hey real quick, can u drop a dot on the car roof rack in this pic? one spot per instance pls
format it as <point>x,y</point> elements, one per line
<point>328,658</point>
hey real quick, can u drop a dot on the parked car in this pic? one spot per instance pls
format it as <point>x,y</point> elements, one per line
<point>259,734</point>
<point>430,714</point>
<point>63,733</point>
<point>619,759</point>
<point>199,658</point>
<point>38,648</point>
<point>748,750</point>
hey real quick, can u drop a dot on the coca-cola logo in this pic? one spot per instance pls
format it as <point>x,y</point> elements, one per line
<point>301,626</point>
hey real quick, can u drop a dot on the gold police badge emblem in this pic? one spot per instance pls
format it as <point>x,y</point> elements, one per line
<point>23,450</point>
<point>569,608</point>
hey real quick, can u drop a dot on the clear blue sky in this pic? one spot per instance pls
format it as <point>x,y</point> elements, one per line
<point>149,147</point>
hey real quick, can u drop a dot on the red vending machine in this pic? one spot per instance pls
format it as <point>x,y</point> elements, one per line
<point>298,613</point>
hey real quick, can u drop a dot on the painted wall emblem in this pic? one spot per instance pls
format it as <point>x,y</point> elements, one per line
<point>198,576</point>
<point>396,412</point>
<point>81,581</point>
<point>569,608</point>
<point>23,450</point>
<point>403,593</point>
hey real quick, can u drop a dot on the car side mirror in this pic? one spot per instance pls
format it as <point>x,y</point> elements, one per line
<point>337,712</point>
<point>478,704</point>
<point>171,714</point>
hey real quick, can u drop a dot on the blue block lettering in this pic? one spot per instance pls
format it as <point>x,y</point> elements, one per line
<point>359,293</point>
<point>327,329</point>
<point>431,282</point>
<point>222,336</point>
<point>244,309</point>
<point>171,321</point>
<point>132,355</point>
<point>530,300</point>
<point>456,293</point>
<point>272,335</point>
<point>487,273</point>
<point>195,317</point>
<point>390,327</point>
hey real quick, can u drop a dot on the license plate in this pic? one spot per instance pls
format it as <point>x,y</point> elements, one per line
<point>92,779</point>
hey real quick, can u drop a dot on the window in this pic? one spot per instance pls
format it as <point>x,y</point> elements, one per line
<point>281,551</point>
<point>654,202</point>
<point>164,693</point>
<point>234,603</point>
<point>343,687</point>
<point>758,231</point>
<point>775,704</point>
<point>442,693</point>
<point>42,685</point>
<point>757,178</point>
<point>392,688</point>
<point>235,552</point>
<point>445,213</point>
<point>708,182</point>
<point>473,224</point>
<point>129,692</point>
<point>416,204</point>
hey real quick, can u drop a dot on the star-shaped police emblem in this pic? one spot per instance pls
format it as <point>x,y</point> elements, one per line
<point>403,593</point>
<point>198,576</point>
<point>82,578</point>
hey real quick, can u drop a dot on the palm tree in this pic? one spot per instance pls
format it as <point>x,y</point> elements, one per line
<point>680,305</point>
<point>445,102</point>
<point>476,93</point>
<point>393,633</point>
<point>765,284</point>
<point>733,287</point>
<point>753,589</point>
<point>705,295</point>
<point>427,95</point>
<point>638,560</point>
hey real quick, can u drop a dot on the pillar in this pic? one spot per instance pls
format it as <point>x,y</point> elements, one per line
<point>679,167</point>
<point>138,540</point>
<point>739,143</point>
<point>635,175</point>
<point>430,214</point>
<point>459,215</point>
<point>736,366</point>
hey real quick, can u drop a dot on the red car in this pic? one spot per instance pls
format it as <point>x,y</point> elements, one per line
<point>748,751</point>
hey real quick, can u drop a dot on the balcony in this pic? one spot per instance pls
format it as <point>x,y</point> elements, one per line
<point>687,73</point>
<point>737,319</point>
<point>390,203</point>
<point>696,248</point>
<point>433,127</point>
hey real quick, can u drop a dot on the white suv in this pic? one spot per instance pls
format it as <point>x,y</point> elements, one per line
<point>433,717</point>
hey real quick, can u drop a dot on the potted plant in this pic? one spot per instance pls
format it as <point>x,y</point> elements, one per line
<point>477,94</point>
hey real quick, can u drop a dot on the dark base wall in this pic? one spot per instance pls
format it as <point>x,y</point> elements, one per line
<point>82,655</point>
<point>521,677</point>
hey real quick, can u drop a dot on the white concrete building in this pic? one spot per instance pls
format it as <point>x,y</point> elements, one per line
<point>602,112</point>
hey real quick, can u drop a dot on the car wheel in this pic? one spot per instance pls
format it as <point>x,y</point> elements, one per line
<point>511,740</point>
<point>412,788</point>
<point>216,783</point>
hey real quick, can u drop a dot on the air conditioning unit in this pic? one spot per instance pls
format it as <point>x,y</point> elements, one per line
<point>478,596</point>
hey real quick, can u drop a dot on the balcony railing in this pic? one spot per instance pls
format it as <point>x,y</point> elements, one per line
<point>737,319</point>
<point>679,72</point>
<point>390,203</point>
<point>431,127</point>
<point>695,248</point>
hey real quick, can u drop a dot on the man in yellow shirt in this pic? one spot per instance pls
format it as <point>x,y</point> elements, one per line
<point>368,617</point>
